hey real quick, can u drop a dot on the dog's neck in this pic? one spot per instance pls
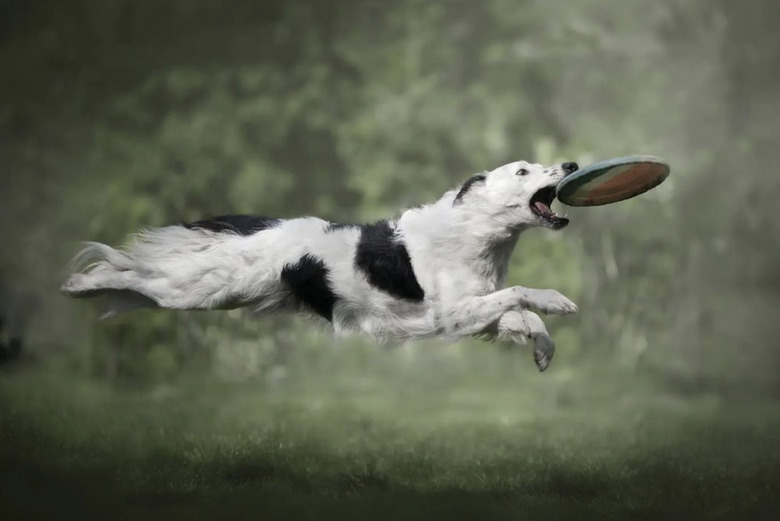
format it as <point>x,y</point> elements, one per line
<point>483,240</point>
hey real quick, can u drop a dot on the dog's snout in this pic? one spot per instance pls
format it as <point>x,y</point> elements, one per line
<point>570,167</point>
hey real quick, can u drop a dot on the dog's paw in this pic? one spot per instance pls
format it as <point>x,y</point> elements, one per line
<point>551,302</point>
<point>544,350</point>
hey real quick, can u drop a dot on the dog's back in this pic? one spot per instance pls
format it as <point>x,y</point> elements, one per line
<point>346,274</point>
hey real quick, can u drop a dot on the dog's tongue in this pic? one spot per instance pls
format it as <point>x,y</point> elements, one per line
<point>543,208</point>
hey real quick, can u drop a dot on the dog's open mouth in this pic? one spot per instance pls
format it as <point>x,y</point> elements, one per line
<point>540,205</point>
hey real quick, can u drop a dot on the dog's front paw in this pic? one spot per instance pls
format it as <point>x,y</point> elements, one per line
<point>544,350</point>
<point>552,302</point>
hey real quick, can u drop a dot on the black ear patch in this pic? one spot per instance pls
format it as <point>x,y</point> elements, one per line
<point>467,186</point>
<point>239,224</point>
<point>383,257</point>
<point>308,281</point>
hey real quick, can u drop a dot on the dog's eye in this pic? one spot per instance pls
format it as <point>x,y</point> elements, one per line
<point>522,171</point>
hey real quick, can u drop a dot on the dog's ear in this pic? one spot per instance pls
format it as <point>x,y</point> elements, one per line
<point>467,185</point>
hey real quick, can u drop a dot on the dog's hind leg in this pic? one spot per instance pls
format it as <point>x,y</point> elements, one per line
<point>120,290</point>
<point>516,326</point>
<point>99,281</point>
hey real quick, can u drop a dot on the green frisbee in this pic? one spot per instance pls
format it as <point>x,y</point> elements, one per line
<point>612,180</point>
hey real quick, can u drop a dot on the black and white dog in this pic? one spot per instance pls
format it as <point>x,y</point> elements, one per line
<point>436,270</point>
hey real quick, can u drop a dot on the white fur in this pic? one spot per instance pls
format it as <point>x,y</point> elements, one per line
<point>459,251</point>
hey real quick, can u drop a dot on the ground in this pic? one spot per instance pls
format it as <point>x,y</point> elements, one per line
<point>388,444</point>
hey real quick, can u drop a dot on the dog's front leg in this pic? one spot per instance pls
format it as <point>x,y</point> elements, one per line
<point>516,326</point>
<point>474,314</point>
<point>547,301</point>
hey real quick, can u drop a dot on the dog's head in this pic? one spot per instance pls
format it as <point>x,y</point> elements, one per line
<point>521,192</point>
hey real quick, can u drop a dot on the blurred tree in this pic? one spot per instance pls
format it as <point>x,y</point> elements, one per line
<point>132,113</point>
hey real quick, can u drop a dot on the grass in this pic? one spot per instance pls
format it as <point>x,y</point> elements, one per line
<point>387,444</point>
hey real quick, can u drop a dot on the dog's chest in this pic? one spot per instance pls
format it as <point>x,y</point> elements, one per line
<point>491,276</point>
<point>492,264</point>
<point>474,276</point>
<point>472,269</point>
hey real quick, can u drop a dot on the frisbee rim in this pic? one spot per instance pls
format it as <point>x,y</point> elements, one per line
<point>573,182</point>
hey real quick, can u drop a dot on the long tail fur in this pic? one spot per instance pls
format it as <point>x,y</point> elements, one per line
<point>172,267</point>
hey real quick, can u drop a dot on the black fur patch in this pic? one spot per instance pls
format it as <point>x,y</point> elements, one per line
<point>467,186</point>
<point>386,262</point>
<point>308,280</point>
<point>240,224</point>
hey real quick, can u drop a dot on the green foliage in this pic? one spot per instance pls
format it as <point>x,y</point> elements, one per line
<point>355,109</point>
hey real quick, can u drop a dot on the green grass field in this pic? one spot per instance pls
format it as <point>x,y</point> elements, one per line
<point>507,443</point>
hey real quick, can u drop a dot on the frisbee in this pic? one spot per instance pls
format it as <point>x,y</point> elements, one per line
<point>612,180</point>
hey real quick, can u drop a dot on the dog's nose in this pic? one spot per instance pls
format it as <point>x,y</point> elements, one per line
<point>570,167</point>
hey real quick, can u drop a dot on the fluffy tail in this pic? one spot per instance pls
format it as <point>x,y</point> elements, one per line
<point>172,267</point>
<point>99,270</point>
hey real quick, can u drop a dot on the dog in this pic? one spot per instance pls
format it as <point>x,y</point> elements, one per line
<point>436,271</point>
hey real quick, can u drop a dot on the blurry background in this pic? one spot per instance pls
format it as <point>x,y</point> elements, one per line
<point>122,114</point>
